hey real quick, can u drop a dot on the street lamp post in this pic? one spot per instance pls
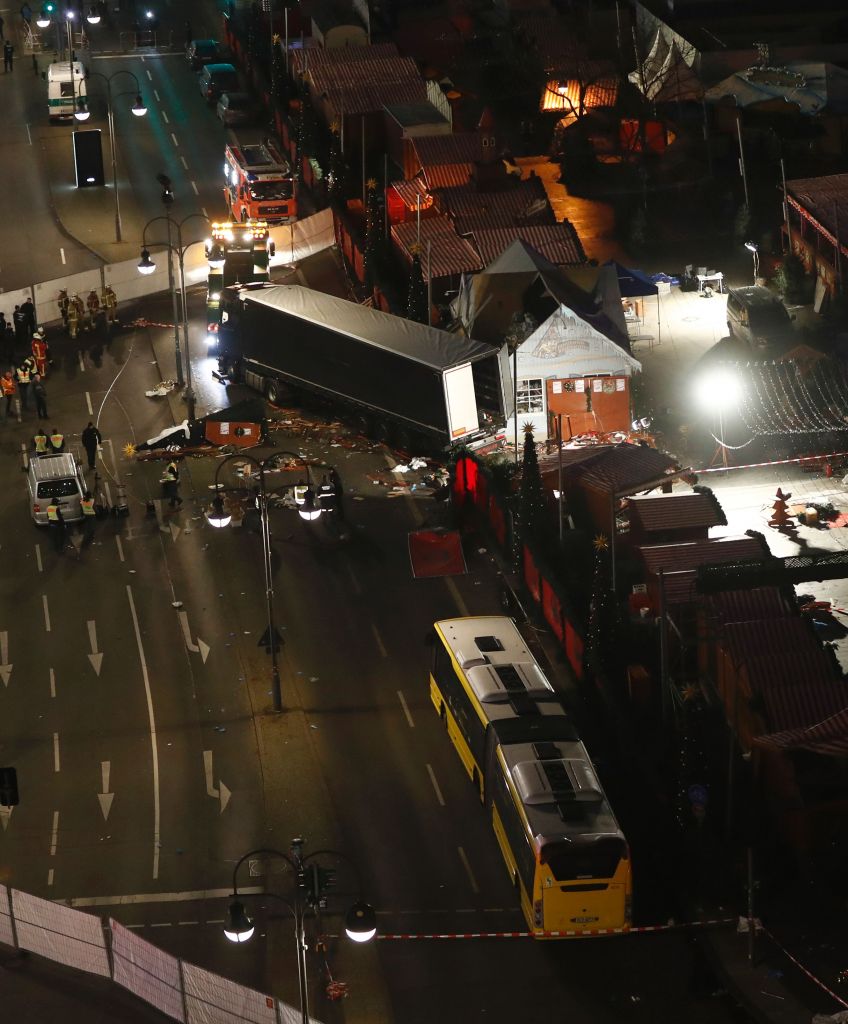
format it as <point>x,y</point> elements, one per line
<point>312,883</point>
<point>82,113</point>
<point>308,508</point>
<point>754,250</point>
<point>147,266</point>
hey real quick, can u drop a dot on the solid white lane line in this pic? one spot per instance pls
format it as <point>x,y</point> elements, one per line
<point>46,612</point>
<point>120,547</point>
<point>468,870</point>
<point>54,835</point>
<point>356,587</point>
<point>165,117</point>
<point>156,94</point>
<point>174,139</point>
<point>52,683</point>
<point>154,746</point>
<point>38,558</point>
<point>194,186</point>
<point>439,796</point>
<point>56,764</point>
<point>88,403</point>
<point>161,897</point>
<point>62,256</point>
<point>185,163</point>
<point>50,877</point>
<point>81,361</point>
<point>379,640</point>
<point>455,594</point>
<point>403,704</point>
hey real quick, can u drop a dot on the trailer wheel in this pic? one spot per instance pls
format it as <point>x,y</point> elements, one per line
<point>273,391</point>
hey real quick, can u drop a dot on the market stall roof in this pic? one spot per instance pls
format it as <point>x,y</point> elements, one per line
<point>618,469</point>
<point>566,338</point>
<point>559,243</point>
<point>450,255</point>
<point>828,738</point>
<point>632,283</point>
<point>662,512</point>
<point>823,202</point>
<point>811,86</point>
<point>679,562</point>
<point>519,204</point>
<point>304,58</point>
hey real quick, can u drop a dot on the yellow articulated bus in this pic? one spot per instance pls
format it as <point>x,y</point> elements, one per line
<point>562,845</point>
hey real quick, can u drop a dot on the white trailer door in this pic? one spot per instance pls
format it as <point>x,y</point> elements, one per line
<point>461,401</point>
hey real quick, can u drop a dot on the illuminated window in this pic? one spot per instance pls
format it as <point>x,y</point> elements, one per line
<point>530,393</point>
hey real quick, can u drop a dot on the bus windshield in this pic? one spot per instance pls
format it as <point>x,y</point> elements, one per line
<point>598,859</point>
<point>266,191</point>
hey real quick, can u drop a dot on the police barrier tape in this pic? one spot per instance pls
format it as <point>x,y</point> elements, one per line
<point>595,933</point>
<point>802,968</point>
<point>143,322</point>
<point>774,462</point>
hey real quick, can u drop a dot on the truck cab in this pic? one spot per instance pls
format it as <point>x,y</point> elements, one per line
<point>259,184</point>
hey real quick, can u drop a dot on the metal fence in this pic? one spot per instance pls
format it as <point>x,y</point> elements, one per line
<point>181,990</point>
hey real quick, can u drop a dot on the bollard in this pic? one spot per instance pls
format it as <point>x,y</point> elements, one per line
<point>24,457</point>
<point>122,507</point>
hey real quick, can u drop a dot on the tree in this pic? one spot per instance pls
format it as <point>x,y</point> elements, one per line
<point>373,233</point>
<point>693,766</point>
<point>531,518</point>
<point>416,301</point>
<point>281,91</point>
<point>602,629</point>
<point>337,173</point>
<point>792,280</point>
<point>305,129</point>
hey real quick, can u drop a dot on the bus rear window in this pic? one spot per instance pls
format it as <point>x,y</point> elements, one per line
<point>57,488</point>
<point>570,861</point>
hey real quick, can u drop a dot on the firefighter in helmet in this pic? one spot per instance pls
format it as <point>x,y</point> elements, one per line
<point>63,302</point>
<point>40,351</point>
<point>74,311</point>
<point>110,303</point>
<point>92,306</point>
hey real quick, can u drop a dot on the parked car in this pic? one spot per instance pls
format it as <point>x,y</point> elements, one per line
<point>55,476</point>
<point>218,78</point>
<point>236,108</point>
<point>757,317</point>
<point>200,52</point>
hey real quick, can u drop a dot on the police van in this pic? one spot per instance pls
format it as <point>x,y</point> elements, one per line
<point>56,476</point>
<point>65,88</point>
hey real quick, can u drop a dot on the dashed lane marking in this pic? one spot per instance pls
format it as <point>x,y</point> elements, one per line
<point>455,594</point>
<point>174,139</point>
<point>381,647</point>
<point>405,707</point>
<point>468,870</point>
<point>156,94</point>
<point>433,779</point>
<point>165,117</point>
<point>38,558</point>
<point>120,547</point>
<point>52,683</point>
<point>62,256</point>
<point>46,612</point>
<point>50,876</point>
<point>88,403</point>
<point>184,163</point>
<point>54,835</point>
<point>194,186</point>
<point>81,361</point>
<point>56,764</point>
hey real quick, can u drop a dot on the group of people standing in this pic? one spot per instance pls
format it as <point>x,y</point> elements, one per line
<point>83,316</point>
<point>27,374</point>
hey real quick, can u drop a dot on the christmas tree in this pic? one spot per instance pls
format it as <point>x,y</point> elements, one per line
<point>416,302</point>
<point>280,85</point>
<point>337,174</point>
<point>693,775</point>
<point>532,519</point>
<point>373,233</point>
<point>305,129</point>
<point>601,632</point>
<point>780,513</point>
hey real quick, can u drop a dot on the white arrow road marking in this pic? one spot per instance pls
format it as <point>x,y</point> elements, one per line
<point>175,531</point>
<point>5,667</point>
<point>221,791</point>
<point>200,647</point>
<point>5,815</point>
<point>95,657</point>
<point>105,797</point>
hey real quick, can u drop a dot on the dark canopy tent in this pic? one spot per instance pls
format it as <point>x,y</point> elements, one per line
<point>633,284</point>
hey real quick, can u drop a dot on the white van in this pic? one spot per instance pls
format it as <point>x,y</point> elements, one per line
<point>55,476</point>
<point>65,88</point>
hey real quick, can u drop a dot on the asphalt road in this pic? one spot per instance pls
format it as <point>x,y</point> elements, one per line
<point>147,771</point>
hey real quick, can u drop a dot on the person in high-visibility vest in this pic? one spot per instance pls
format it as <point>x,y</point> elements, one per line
<point>92,305</point>
<point>88,517</point>
<point>57,440</point>
<point>72,319</point>
<point>9,388</point>
<point>56,523</point>
<point>39,351</point>
<point>24,377</point>
<point>63,302</point>
<point>110,303</point>
<point>41,442</point>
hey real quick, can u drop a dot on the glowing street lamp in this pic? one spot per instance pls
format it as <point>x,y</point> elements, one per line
<point>754,250</point>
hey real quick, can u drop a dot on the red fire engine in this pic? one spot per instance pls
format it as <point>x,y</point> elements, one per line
<point>260,184</point>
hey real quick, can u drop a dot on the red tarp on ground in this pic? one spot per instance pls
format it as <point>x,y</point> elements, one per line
<point>436,553</point>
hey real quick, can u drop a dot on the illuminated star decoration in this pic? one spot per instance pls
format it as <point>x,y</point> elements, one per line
<point>600,543</point>
<point>689,692</point>
<point>372,184</point>
<point>129,449</point>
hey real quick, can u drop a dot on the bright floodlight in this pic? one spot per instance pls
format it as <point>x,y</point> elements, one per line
<point>238,927</point>
<point>70,15</point>
<point>718,389</point>
<point>361,922</point>
<point>138,108</point>
<point>216,516</point>
<point>146,264</point>
<point>752,247</point>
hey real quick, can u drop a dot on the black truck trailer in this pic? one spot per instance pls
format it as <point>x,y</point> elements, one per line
<point>401,381</point>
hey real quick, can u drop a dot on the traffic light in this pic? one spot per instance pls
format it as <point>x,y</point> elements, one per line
<point>317,882</point>
<point>167,188</point>
<point>8,787</point>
